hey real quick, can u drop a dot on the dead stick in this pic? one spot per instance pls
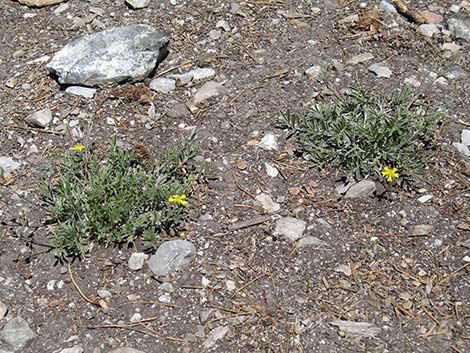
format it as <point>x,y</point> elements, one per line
<point>228,317</point>
<point>431,316</point>
<point>249,283</point>
<point>241,188</point>
<point>101,302</point>
<point>44,131</point>
<point>249,223</point>
<point>173,68</point>
<point>453,273</point>
<point>456,349</point>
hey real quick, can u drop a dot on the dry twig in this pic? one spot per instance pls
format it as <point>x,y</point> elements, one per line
<point>99,302</point>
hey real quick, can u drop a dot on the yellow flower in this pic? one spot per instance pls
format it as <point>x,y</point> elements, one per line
<point>78,148</point>
<point>390,173</point>
<point>181,199</point>
<point>182,235</point>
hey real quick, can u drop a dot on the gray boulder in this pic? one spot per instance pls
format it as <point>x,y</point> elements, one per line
<point>119,54</point>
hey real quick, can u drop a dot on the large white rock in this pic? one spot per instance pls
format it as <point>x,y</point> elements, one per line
<point>127,53</point>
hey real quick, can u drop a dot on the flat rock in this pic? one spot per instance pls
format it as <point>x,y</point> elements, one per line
<point>268,142</point>
<point>39,3</point>
<point>462,148</point>
<point>460,29</point>
<point>3,309</point>
<point>428,29</point>
<point>313,71</point>
<point>198,74</point>
<point>208,90</point>
<point>360,58</point>
<point>421,229</point>
<point>17,333</point>
<point>431,17</point>
<point>380,70</point>
<point>216,334</point>
<point>126,350</point>
<point>356,328</point>
<point>136,261</point>
<point>86,92</point>
<point>172,256</point>
<point>364,188</point>
<point>118,54</point>
<point>7,166</point>
<point>40,119</point>
<point>267,203</point>
<point>310,241</point>
<point>179,111</point>
<point>74,349</point>
<point>163,85</point>
<point>465,137</point>
<point>289,227</point>
<point>137,4</point>
<point>386,7</point>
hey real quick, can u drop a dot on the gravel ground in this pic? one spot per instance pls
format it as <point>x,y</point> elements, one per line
<point>249,289</point>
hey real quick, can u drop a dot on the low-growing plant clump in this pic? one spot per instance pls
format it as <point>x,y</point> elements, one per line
<point>365,136</point>
<point>118,197</point>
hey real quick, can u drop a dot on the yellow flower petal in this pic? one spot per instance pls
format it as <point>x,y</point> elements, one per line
<point>390,173</point>
<point>181,199</point>
<point>77,148</point>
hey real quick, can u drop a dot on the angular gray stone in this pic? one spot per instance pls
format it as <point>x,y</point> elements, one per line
<point>86,92</point>
<point>7,166</point>
<point>313,71</point>
<point>138,4</point>
<point>268,142</point>
<point>267,203</point>
<point>289,227</point>
<point>216,334</point>
<point>16,333</point>
<point>465,137</point>
<point>310,241</point>
<point>40,119</point>
<point>208,90</point>
<point>172,256</point>
<point>380,70</point>
<point>163,85</point>
<point>74,349</point>
<point>387,7</point>
<point>421,229</point>
<point>127,53</point>
<point>428,29</point>
<point>179,111</point>
<point>137,260</point>
<point>3,309</point>
<point>126,350</point>
<point>364,188</point>
<point>464,149</point>
<point>459,29</point>
<point>199,73</point>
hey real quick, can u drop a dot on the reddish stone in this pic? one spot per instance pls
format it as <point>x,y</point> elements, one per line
<point>431,17</point>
